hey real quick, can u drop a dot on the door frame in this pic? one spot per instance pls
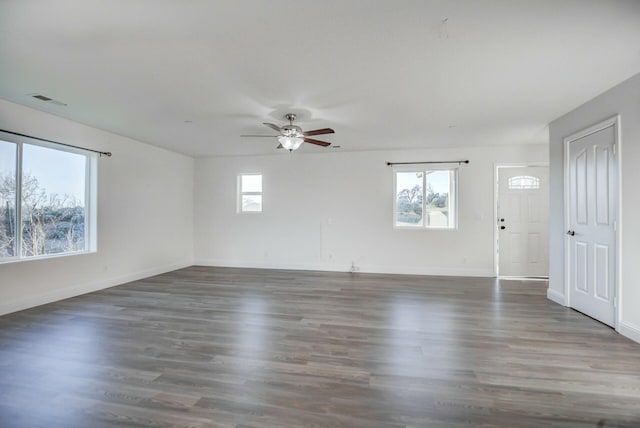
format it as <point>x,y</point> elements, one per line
<point>615,122</point>
<point>496,202</point>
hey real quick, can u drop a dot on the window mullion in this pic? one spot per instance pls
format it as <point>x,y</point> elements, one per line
<point>453,198</point>
<point>87,203</point>
<point>18,236</point>
<point>424,199</point>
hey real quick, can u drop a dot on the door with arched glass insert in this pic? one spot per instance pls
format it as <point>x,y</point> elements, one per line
<point>523,221</point>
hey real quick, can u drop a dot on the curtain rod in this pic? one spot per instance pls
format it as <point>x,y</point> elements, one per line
<point>459,162</point>
<point>108,154</point>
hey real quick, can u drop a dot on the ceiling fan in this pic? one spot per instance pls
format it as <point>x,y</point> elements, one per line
<point>292,136</point>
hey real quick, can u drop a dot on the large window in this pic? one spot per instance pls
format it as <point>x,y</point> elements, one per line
<point>250,193</point>
<point>425,199</point>
<point>46,199</point>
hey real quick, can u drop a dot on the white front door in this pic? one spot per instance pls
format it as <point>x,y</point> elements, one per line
<point>591,235</point>
<point>523,221</point>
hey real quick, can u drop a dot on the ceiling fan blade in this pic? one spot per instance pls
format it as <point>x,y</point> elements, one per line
<point>272,126</point>
<point>317,142</point>
<point>319,132</point>
<point>280,146</point>
<point>265,136</point>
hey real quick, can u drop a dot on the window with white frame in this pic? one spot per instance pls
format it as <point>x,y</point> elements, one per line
<point>250,193</point>
<point>425,198</point>
<point>47,199</point>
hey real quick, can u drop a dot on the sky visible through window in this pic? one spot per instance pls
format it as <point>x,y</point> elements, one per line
<point>7,157</point>
<point>58,172</point>
<point>252,183</point>
<point>438,182</point>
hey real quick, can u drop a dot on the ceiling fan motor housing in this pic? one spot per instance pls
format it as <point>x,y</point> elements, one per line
<point>291,131</point>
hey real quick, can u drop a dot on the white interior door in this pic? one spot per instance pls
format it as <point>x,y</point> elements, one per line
<point>591,235</point>
<point>523,221</point>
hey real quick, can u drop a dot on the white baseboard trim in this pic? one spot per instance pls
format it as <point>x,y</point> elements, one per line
<point>405,270</point>
<point>270,265</point>
<point>401,270</point>
<point>554,296</point>
<point>15,305</point>
<point>629,330</point>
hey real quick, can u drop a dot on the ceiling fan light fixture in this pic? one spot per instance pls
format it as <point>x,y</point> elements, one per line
<point>291,136</point>
<point>290,143</point>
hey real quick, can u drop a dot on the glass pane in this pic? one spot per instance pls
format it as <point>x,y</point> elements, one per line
<point>252,183</point>
<point>437,193</point>
<point>524,182</point>
<point>8,152</point>
<point>53,201</point>
<point>409,199</point>
<point>251,203</point>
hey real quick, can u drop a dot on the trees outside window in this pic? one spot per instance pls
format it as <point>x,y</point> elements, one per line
<point>43,201</point>
<point>425,199</point>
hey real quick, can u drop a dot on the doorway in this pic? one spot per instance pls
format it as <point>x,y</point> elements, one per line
<point>522,226</point>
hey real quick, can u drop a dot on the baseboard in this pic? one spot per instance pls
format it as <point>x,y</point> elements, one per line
<point>8,307</point>
<point>399,270</point>
<point>554,296</point>
<point>410,270</point>
<point>629,330</point>
<point>270,265</point>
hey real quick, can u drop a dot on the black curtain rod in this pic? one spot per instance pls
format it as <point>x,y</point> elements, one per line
<point>108,154</point>
<point>459,162</point>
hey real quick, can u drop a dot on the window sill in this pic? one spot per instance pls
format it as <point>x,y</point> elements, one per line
<point>425,228</point>
<point>45,257</point>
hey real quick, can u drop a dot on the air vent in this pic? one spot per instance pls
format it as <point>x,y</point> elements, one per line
<point>48,100</point>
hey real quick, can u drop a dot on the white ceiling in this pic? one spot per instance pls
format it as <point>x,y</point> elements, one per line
<point>384,74</point>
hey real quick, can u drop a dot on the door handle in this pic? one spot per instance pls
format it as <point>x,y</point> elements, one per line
<point>571,232</point>
<point>503,227</point>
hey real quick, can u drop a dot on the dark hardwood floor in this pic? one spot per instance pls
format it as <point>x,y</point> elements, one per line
<point>222,347</point>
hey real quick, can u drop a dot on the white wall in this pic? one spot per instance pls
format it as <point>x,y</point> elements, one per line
<point>624,100</point>
<point>145,215</point>
<point>325,211</point>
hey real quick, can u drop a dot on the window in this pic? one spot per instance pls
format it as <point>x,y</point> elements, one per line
<point>250,193</point>
<point>524,182</point>
<point>46,198</point>
<point>425,199</point>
